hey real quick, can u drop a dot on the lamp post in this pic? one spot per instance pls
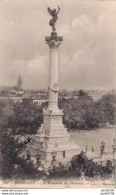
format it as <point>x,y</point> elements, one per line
<point>102,148</point>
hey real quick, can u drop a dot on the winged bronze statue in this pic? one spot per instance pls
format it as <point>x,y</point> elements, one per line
<point>54,15</point>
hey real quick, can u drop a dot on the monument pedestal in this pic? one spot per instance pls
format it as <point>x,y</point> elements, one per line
<point>53,142</point>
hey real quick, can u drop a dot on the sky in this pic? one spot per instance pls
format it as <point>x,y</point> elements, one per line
<point>86,56</point>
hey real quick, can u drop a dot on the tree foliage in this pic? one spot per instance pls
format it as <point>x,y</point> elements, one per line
<point>80,166</point>
<point>26,119</point>
<point>17,119</point>
<point>84,113</point>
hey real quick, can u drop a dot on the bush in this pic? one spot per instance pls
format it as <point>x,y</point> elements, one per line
<point>81,165</point>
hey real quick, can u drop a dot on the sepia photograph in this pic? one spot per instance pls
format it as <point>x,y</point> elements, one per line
<point>57,94</point>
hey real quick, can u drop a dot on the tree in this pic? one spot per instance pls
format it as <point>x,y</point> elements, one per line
<point>26,119</point>
<point>11,164</point>
<point>84,113</point>
<point>82,93</point>
<point>107,105</point>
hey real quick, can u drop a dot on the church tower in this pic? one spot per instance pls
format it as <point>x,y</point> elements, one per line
<point>19,83</point>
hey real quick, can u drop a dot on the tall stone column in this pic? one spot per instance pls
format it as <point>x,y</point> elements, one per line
<point>53,42</point>
<point>52,141</point>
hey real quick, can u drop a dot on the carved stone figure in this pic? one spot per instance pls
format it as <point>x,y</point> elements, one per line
<point>54,15</point>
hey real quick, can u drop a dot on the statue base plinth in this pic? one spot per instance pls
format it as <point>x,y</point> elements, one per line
<point>53,142</point>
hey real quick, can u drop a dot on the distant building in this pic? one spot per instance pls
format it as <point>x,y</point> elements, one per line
<point>8,88</point>
<point>16,98</point>
<point>40,101</point>
<point>97,94</point>
<point>14,93</point>
<point>27,101</point>
<point>13,98</point>
<point>13,88</point>
<point>19,83</point>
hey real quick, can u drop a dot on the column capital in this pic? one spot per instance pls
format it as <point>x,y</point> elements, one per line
<point>54,41</point>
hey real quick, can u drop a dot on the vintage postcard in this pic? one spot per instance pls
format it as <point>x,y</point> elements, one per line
<point>57,94</point>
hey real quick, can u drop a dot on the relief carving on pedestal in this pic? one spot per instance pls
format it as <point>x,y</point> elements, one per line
<point>47,111</point>
<point>54,43</point>
<point>54,155</point>
<point>44,111</point>
<point>55,87</point>
<point>42,145</point>
<point>56,117</point>
<point>42,130</point>
<point>32,141</point>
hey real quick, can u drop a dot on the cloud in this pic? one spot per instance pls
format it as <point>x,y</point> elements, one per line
<point>86,56</point>
<point>107,22</point>
<point>65,30</point>
<point>80,21</point>
<point>37,71</point>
